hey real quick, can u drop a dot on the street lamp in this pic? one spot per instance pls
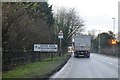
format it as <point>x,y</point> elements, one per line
<point>113,25</point>
<point>113,33</point>
<point>114,41</point>
<point>99,42</point>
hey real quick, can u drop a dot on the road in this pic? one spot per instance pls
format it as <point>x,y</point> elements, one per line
<point>97,66</point>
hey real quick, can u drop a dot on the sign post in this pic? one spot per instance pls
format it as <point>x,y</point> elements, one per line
<point>51,48</point>
<point>60,36</point>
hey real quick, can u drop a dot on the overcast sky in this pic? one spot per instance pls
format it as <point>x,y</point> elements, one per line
<point>97,14</point>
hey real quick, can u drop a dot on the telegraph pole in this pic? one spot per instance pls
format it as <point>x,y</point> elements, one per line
<point>99,42</point>
<point>113,34</point>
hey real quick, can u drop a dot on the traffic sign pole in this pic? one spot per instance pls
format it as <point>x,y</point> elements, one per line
<point>60,36</point>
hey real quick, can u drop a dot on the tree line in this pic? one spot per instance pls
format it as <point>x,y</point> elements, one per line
<point>23,25</point>
<point>27,23</point>
<point>102,43</point>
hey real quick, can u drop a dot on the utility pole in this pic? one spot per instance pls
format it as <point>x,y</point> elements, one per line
<point>99,43</point>
<point>113,34</point>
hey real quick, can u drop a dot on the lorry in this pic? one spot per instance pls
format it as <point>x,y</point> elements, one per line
<point>82,45</point>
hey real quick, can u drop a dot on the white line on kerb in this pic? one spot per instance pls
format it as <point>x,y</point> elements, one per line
<point>109,63</point>
<point>113,58</point>
<point>113,64</point>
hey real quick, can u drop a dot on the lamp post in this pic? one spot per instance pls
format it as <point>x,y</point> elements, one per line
<point>99,42</point>
<point>113,26</point>
<point>113,34</point>
<point>60,36</point>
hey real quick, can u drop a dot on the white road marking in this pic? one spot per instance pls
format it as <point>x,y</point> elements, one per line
<point>64,70</point>
<point>110,63</point>
<point>58,73</point>
<point>113,58</point>
<point>113,64</point>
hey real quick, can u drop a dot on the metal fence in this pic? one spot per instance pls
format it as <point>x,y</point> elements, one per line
<point>12,59</point>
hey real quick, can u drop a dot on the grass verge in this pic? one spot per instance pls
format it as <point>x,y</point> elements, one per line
<point>37,69</point>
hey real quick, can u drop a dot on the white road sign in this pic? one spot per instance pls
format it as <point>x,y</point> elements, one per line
<point>60,35</point>
<point>46,47</point>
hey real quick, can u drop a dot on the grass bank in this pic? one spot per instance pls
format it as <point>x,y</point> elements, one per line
<point>37,69</point>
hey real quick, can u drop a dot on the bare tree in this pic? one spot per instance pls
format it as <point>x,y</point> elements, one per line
<point>92,33</point>
<point>69,21</point>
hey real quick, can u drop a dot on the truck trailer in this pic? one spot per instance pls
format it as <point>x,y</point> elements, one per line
<point>82,45</point>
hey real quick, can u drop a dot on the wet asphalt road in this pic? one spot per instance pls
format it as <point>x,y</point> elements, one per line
<point>97,66</point>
